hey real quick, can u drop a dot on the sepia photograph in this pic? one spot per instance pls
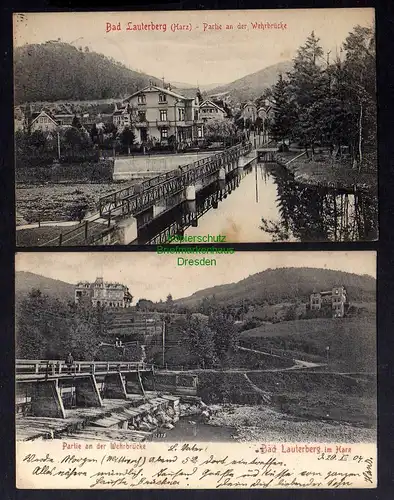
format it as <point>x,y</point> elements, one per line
<point>136,127</point>
<point>127,350</point>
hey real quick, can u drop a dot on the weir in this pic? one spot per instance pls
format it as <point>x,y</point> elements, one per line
<point>127,396</point>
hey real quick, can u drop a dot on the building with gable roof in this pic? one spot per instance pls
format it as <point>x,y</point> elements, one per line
<point>161,113</point>
<point>209,110</point>
<point>43,121</point>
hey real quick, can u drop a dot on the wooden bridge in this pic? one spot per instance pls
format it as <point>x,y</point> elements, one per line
<point>46,388</point>
<point>35,370</point>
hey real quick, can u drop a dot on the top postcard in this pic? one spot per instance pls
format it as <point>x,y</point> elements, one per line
<point>195,127</point>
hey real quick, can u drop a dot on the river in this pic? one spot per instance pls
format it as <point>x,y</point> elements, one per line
<point>265,204</point>
<point>192,429</point>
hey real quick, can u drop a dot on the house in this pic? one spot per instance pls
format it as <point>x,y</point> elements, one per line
<point>102,293</point>
<point>159,114</point>
<point>209,110</point>
<point>336,299</point>
<point>121,117</point>
<point>249,111</point>
<point>44,122</point>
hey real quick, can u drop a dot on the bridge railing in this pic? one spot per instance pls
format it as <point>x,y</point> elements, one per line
<point>57,367</point>
<point>115,199</point>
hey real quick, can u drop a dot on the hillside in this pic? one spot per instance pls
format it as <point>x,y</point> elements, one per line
<point>284,284</point>
<point>251,86</point>
<point>58,71</point>
<point>25,281</point>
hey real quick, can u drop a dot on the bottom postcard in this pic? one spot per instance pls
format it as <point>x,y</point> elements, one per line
<point>133,372</point>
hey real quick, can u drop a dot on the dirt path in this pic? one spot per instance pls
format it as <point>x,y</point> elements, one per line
<point>298,363</point>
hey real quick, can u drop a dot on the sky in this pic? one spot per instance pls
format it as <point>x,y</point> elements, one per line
<point>152,276</point>
<point>194,56</point>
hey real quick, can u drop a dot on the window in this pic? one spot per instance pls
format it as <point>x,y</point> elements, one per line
<point>164,133</point>
<point>163,115</point>
<point>142,116</point>
<point>181,114</point>
<point>162,98</point>
<point>142,99</point>
<point>199,132</point>
<point>211,110</point>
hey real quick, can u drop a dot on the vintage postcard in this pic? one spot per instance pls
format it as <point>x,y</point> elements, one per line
<point>133,372</point>
<point>135,127</point>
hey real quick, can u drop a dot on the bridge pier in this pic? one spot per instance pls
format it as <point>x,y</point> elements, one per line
<point>114,386</point>
<point>46,400</point>
<point>86,392</point>
<point>190,193</point>
<point>128,230</point>
<point>148,381</point>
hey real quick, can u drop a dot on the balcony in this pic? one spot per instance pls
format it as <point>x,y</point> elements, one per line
<point>141,124</point>
<point>163,123</point>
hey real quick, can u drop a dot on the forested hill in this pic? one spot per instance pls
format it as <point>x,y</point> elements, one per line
<point>25,282</point>
<point>279,285</point>
<point>252,86</point>
<point>58,71</point>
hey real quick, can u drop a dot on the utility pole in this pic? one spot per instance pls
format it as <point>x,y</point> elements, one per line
<point>164,343</point>
<point>58,144</point>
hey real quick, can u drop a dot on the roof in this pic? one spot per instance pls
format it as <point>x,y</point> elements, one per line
<point>149,88</point>
<point>210,103</point>
<point>42,113</point>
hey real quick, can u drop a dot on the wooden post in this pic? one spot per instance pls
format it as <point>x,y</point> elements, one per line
<point>86,230</point>
<point>60,239</point>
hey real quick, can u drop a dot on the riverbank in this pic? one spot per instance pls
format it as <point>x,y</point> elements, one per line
<point>323,172</point>
<point>261,423</point>
<point>60,201</point>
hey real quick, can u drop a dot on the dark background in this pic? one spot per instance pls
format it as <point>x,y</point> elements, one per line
<point>385,247</point>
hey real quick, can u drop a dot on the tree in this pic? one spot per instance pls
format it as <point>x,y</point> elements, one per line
<point>127,138</point>
<point>224,334</point>
<point>359,69</point>
<point>307,86</point>
<point>284,113</point>
<point>219,130</point>
<point>76,123</point>
<point>201,343</point>
<point>73,138</point>
<point>37,140</point>
<point>94,134</point>
<point>145,305</point>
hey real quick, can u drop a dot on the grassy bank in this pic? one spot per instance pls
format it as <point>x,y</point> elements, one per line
<point>352,341</point>
<point>90,171</point>
<point>60,202</point>
<point>324,172</point>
